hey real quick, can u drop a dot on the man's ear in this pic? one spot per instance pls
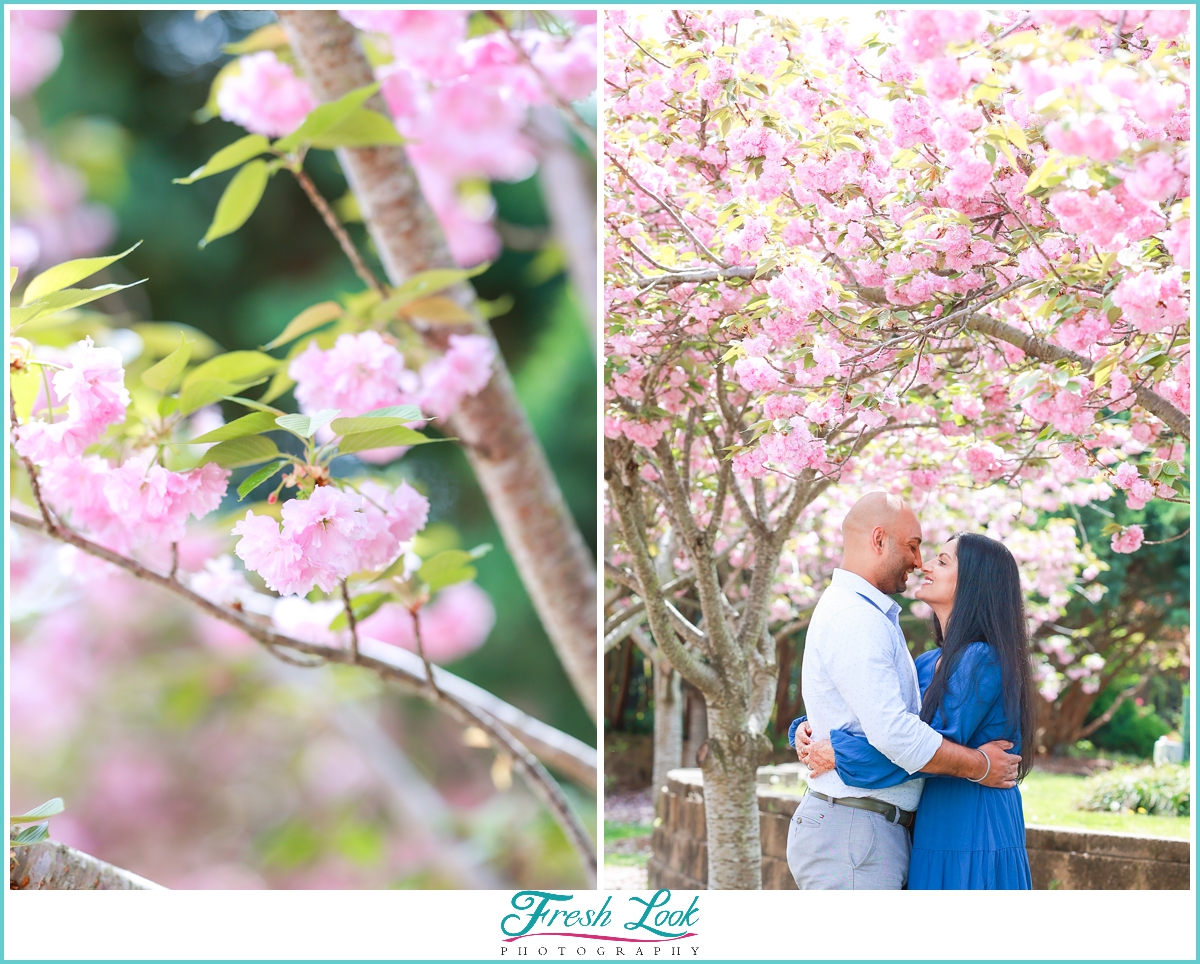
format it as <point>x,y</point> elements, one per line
<point>878,538</point>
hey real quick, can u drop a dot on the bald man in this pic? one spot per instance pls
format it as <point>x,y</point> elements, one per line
<point>858,675</point>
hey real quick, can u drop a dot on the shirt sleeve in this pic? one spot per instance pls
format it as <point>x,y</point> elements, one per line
<point>860,765</point>
<point>867,680</point>
<point>793,728</point>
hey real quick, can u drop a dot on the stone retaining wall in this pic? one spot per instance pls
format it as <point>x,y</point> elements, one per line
<point>1058,859</point>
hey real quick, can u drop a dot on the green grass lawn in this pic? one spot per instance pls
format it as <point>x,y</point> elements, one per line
<point>1050,800</point>
<point>626,844</point>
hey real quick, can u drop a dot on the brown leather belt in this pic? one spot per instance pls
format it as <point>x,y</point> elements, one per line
<point>893,813</point>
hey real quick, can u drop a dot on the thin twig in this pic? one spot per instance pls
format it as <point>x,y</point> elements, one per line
<point>51,525</point>
<point>421,651</point>
<point>350,620</point>
<point>174,560</point>
<point>339,232</point>
<point>1163,542</point>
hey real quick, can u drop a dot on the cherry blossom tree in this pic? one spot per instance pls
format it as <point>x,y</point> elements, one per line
<point>923,252</point>
<point>121,454</point>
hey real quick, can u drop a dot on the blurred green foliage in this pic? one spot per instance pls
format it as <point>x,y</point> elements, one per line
<point>127,121</point>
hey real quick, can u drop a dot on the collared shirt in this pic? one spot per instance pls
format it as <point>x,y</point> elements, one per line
<point>858,676</point>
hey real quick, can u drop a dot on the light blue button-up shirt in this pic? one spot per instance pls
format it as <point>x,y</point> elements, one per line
<point>857,675</point>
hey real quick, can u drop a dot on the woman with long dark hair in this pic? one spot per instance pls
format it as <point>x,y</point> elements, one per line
<point>976,687</point>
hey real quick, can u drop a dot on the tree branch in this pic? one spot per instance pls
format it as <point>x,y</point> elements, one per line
<point>50,865</point>
<point>1044,351</point>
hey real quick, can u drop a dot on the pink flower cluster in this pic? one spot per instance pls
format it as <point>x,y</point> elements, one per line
<point>93,386</point>
<point>457,622</point>
<point>329,536</point>
<point>984,463</point>
<point>1128,540</point>
<point>925,33</point>
<point>1138,491</point>
<point>464,104</point>
<point>792,451</point>
<point>465,369</point>
<point>1152,301</point>
<point>366,371</point>
<point>135,504</point>
<point>358,374</point>
<point>265,96</point>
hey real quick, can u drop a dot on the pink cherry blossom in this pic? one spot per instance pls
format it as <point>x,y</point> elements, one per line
<point>1128,540</point>
<point>358,374</point>
<point>265,96</point>
<point>984,463</point>
<point>1154,177</point>
<point>393,518</point>
<point>93,385</point>
<point>463,370</point>
<point>1096,138</point>
<point>326,527</point>
<point>273,555</point>
<point>158,502</point>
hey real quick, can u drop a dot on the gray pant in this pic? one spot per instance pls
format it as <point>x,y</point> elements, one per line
<point>831,847</point>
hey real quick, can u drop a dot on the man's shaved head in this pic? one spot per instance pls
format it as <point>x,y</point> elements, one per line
<point>881,541</point>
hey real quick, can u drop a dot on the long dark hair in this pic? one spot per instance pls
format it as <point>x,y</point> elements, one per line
<point>990,608</point>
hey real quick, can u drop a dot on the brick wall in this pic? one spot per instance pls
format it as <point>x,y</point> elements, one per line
<point>1058,859</point>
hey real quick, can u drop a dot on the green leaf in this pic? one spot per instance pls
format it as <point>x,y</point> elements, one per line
<point>363,606</point>
<point>406,413</point>
<point>420,285</point>
<point>242,451</point>
<point>65,300</point>
<point>382,438</point>
<point>308,320</point>
<point>253,481</point>
<point>253,424</point>
<point>251,403</point>
<point>162,337</point>
<point>306,426</point>
<point>364,423</point>
<point>446,569</point>
<point>363,128</point>
<point>162,376</point>
<point>30,835</point>
<point>238,202</point>
<point>208,391</point>
<point>66,274</point>
<point>233,366</point>
<point>12,277</point>
<point>50,808</point>
<point>228,157</point>
<point>280,384</point>
<point>322,119</point>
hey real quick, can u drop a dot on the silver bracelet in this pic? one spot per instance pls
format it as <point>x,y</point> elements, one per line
<point>988,760</point>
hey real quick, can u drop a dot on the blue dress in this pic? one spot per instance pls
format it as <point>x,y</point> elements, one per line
<point>967,836</point>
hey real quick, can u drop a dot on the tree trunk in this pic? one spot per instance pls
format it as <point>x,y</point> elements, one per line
<point>508,461</point>
<point>569,189</point>
<point>625,671</point>
<point>668,728</point>
<point>696,724</point>
<point>731,804</point>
